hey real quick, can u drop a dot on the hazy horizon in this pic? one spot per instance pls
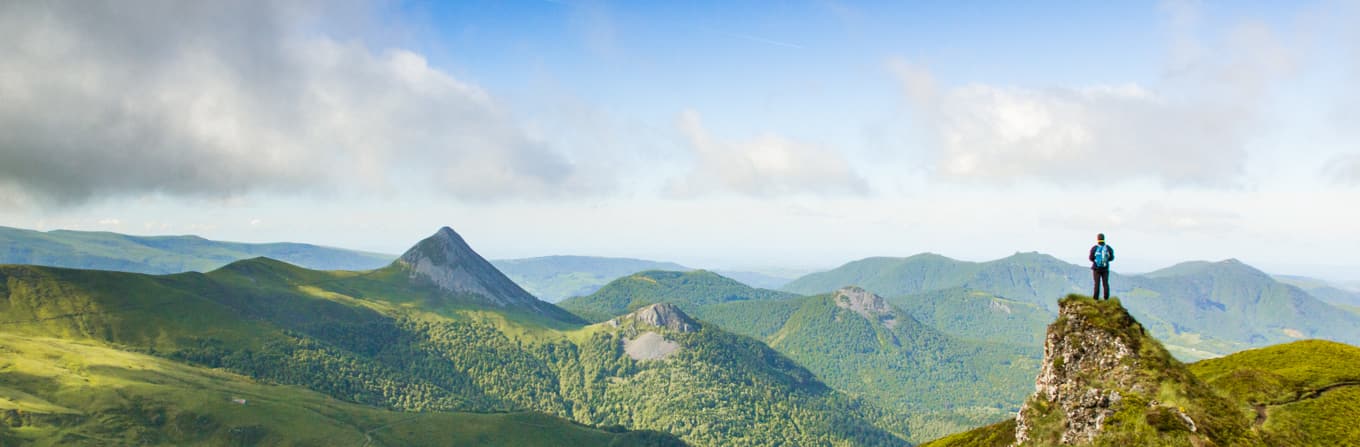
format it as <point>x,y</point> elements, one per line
<point>722,135</point>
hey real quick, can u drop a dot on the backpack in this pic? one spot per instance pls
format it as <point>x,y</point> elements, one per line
<point>1102,256</point>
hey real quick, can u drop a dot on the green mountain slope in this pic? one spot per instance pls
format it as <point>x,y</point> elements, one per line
<point>1199,309</point>
<point>60,392</point>
<point>928,383</point>
<point>436,332</point>
<point>931,382</point>
<point>1107,382</point>
<point>975,315</point>
<point>555,278</point>
<point>164,254</point>
<point>1235,303</point>
<point>1301,393</point>
<point>689,290</point>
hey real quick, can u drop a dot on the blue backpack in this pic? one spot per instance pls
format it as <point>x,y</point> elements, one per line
<point>1102,256</point>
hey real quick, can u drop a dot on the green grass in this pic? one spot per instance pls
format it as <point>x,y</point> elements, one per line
<point>60,392</point>
<point>1309,390</point>
<point>1000,434</point>
<point>1282,372</point>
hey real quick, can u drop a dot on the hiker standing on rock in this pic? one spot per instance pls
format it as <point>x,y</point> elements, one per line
<point>1101,256</point>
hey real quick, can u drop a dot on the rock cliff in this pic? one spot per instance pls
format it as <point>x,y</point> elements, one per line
<point>1104,381</point>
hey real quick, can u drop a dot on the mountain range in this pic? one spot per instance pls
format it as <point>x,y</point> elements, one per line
<point>880,351</point>
<point>549,278</point>
<point>439,331</point>
<point>97,250</point>
<point>1200,309</point>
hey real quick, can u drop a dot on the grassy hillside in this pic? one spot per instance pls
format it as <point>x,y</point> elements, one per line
<point>60,392</point>
<point>555,278</point>
<point>689,290</point>
<point>164,254</point>
<point>1300,393</point>
<point>378,339</point>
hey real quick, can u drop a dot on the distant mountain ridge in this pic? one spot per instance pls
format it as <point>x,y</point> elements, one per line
<point>555,278</point>
<point>1200,309</point>
<point>165,254</point>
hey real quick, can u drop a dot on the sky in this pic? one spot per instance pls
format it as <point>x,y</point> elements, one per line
<point>738,135</point>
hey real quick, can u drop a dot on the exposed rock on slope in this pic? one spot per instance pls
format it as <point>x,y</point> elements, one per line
<point>1104,381</point>
<point>645,344</point>
<point>666,315</point>
<point>446,261</point>
<point>866,304</point>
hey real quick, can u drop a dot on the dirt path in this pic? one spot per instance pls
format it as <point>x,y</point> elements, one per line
<point>1261,408</point>
<point>368,435</point>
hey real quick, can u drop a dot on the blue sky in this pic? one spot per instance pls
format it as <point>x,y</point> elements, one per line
<point>800,134</point>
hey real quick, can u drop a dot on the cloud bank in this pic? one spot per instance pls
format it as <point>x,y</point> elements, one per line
<point>217,99</point>
<point>1189,129</point>
<point>767,165</point>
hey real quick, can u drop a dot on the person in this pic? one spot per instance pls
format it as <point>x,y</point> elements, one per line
<point>1101,256</point>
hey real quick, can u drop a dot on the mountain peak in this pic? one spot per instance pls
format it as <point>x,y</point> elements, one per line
<point>865,303</point>
<point>665,315</point>
<point>445,260</point>
<point>1104,377</point>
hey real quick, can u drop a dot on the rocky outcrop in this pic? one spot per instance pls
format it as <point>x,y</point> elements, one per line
<point>662,315</point>
<point>446,261</point>
<point>1104,379</point>
<point>1084,366</point>
<point>866,304</point>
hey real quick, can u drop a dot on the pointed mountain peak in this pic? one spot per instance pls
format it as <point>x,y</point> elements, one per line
<point>664,315</point>
<point>1104,377</point>
<point>446,261</point>
<point>442,247</point>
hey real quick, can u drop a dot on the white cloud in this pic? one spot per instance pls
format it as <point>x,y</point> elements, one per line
<point>767,165</point>
<point>217,99</point>
<point>1344,169</point>
<point>1190,128</point>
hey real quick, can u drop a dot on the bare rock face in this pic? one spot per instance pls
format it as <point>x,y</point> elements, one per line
<point>446,261</point>
<point>1105,381</point>
<point>667,316</point>
<point>650,346</point>
<point>1086,363</point>
<point>866,304</point>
